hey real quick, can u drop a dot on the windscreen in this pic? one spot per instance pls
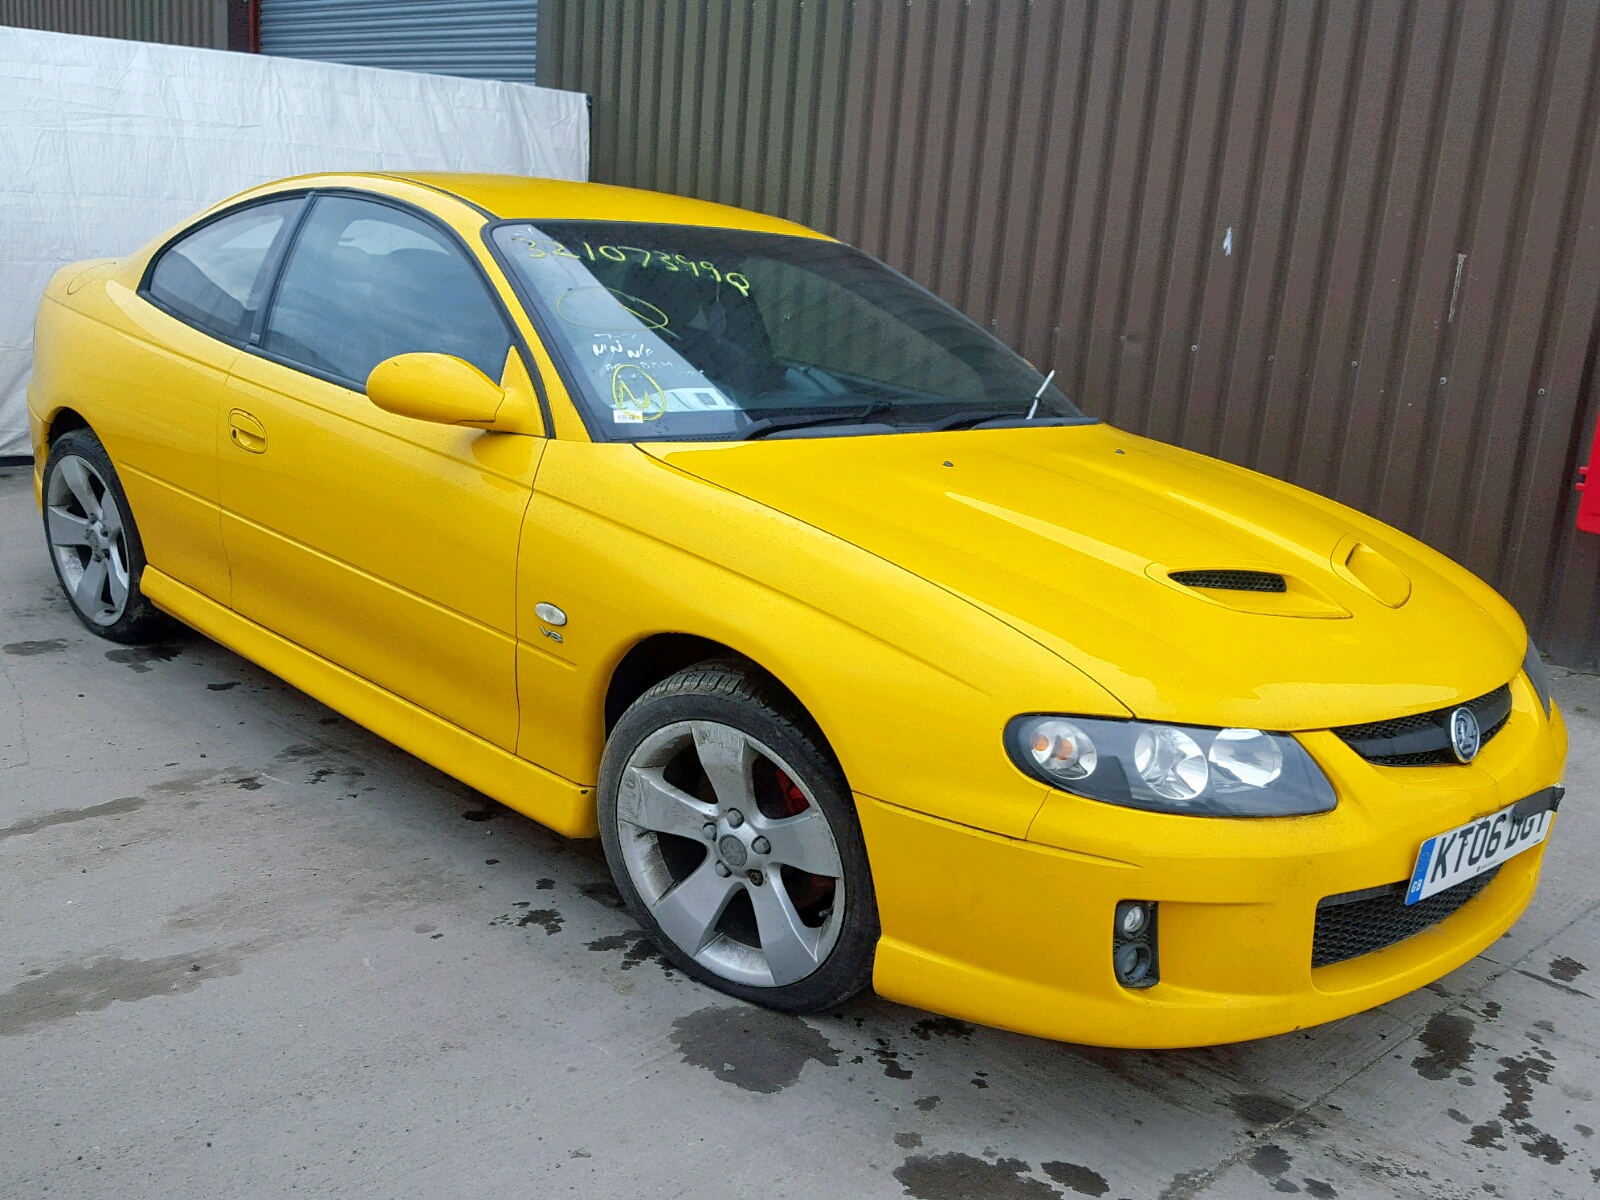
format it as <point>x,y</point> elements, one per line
<point>675,332</point>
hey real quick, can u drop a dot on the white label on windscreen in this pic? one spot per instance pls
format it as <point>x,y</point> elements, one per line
<point>697,400</point>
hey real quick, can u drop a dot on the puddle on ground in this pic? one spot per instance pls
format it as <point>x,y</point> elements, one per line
<point>29,649</point>
<point>962,1177</point>
<point>751,1048</point>
<point>1448,1040</point>
<point>139,658</point>
<point>90,987</point>
<point>1079,1179</point>
<point>68,816</point>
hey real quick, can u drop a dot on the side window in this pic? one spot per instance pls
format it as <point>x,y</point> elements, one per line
<point>207,277</point>
<point>365,282</point>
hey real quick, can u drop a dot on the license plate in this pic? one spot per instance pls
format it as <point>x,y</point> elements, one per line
<point>1478,846</point>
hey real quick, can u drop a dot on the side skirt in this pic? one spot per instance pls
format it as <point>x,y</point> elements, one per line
<point>564,806</point>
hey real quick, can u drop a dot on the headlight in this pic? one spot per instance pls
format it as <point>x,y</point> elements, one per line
<point>1537,675</point>
<point>1172,768</point>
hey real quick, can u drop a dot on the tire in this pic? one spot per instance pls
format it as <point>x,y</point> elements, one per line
<point>94,543</point>
<point>793,926</point>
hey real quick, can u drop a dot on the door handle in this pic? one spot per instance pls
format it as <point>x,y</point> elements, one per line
<point>247,432</point>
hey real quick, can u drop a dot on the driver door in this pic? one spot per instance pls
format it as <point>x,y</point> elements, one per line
<point>384,544</point>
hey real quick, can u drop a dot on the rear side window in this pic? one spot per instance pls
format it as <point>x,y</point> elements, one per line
<point>209,278</point>
<point>365,282</point>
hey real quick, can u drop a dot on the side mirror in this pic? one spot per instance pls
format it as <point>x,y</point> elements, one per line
<point>434,387</point>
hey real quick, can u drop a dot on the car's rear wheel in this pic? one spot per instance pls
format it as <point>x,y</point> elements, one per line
<point>94,543</point>
<point>731,834</point>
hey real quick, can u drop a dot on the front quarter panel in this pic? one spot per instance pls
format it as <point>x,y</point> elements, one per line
<point>912,686</point>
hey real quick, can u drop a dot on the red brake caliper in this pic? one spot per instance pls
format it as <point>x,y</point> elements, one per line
<point>794,800</point>
<point>815,887</point>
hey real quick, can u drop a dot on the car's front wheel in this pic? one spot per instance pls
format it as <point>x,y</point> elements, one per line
<point>731,834</point>
<point>94,543</point>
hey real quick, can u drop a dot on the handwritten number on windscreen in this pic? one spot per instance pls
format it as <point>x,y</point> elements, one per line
<point>664,260</point>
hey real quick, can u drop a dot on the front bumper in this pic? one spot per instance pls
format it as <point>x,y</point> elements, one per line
<point>1017,933</point>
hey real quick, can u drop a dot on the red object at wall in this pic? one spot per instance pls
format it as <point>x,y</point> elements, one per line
<point>1589,488</point>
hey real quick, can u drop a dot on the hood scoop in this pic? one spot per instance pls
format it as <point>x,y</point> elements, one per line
<point>1231,581</point>
<point>1372,571</point>
<point>1251,590</point>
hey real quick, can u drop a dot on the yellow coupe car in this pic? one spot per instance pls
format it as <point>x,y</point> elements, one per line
<point>868,655</point>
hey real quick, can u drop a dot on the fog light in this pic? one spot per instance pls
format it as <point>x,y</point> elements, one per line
<point>1132,917</point>
<point>1133,960</point>
<point>1133,944</point>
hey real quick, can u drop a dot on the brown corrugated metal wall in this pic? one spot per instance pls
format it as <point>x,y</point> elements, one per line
<point>175,22</point>
<point>1356,245</point>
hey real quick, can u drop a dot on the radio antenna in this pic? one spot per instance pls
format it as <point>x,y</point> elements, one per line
<point>1034,407</point>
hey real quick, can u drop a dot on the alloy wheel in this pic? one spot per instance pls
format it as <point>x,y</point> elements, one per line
<point>87,537</point>
<point>731,853</point>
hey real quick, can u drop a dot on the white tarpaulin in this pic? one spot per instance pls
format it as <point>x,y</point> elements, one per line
<point>104,144</point>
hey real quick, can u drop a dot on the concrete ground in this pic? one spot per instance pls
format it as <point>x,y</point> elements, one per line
<point>248,949</point>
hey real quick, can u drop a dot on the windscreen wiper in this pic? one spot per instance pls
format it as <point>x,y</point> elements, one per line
<point>964,420</point>
<point>970,417</point>
<point>768,425</point>
<point>994,420</point>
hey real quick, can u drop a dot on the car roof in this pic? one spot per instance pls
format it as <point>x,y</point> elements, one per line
<point>514,196</point>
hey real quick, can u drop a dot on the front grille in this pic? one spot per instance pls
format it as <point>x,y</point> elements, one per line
<point>1423,739</point>
<point>1357,924</point>
<point>1231,581</point>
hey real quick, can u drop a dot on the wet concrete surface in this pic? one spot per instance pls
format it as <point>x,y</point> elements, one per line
<point>248,949</point>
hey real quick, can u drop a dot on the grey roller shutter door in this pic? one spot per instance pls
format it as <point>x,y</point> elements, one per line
<point>483,39</point>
